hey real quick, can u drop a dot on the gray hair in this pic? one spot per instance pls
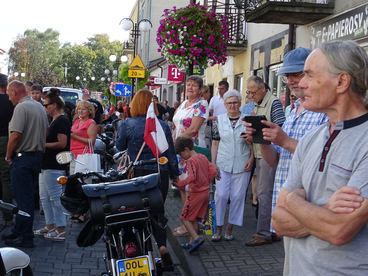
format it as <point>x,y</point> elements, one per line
<point>196,79</point>
<point>258,81</point>
<point>232,93</point>
<point>348,56</point>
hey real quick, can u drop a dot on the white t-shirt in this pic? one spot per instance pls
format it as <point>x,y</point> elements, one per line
<point>217,105</point>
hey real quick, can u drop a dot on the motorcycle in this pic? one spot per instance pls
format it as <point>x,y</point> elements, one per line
<point>14,261</point>
<point>105,147</point>
<point>120,210</point>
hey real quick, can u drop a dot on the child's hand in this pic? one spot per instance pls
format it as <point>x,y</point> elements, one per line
<point>218,176</point>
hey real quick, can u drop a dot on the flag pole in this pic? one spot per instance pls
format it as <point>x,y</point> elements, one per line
<point>157,157</point>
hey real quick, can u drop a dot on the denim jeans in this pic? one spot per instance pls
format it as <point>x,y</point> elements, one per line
<point>50,192</point>
<point>24,172</point>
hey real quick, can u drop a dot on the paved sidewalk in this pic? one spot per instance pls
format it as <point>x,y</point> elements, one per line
<point>51,258</point>
<point>230,257</point>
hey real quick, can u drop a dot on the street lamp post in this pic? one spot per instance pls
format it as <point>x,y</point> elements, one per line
<point>113,58</point>
<point>143,25</point>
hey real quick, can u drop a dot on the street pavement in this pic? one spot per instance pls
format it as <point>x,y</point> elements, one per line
<point>222,258</point>
<point>229,257</point>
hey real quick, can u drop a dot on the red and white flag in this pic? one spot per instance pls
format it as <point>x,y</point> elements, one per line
<point>154,135</point>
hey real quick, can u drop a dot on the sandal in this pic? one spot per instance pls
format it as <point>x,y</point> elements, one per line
<point>185,245</point>
<point>216,237</point>
<point>42,231</point>
<point>196,244</point>
<point>55,235</point>
<point>228,237</point>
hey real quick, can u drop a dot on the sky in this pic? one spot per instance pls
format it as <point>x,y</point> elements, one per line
<point>75,20</point>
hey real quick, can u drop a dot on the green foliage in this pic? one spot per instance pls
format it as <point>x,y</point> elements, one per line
<point>36,54</point>
<point>42,58</point>
<point>124,77</point>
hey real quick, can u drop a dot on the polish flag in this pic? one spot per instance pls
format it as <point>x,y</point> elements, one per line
<point>154,135</point>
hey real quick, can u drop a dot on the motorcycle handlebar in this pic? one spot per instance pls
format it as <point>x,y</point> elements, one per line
<point>112,175</point>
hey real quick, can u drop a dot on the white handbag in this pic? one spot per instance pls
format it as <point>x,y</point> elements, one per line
<point>87,162</point>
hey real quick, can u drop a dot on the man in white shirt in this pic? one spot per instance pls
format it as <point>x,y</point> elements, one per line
<point>217,106</point>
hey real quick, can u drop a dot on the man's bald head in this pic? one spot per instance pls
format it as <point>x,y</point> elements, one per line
<point>16,91</point>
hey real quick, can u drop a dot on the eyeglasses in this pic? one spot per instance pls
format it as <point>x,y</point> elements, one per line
<point>250,92</point>
<point>232,103</point>
<point>46,105</point>
<point>292,75</point>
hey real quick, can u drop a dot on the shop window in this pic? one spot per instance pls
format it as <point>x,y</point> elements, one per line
<point>277,86</point>
<point>238,82</point>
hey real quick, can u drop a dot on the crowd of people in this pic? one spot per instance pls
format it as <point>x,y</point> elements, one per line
<point>307,179</point>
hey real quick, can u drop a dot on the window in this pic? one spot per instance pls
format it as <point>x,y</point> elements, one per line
<point>277,87</point>
<point>238,82</point>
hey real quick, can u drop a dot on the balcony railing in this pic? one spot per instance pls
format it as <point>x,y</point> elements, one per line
<point>235,15</point>
<point>299,12</point>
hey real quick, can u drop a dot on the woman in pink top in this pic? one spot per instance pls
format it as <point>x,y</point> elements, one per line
<point>84,131</point>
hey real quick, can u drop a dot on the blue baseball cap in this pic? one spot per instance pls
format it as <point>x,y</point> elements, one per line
<point>294,61</point>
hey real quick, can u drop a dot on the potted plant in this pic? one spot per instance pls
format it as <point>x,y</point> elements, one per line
<point>193,36</point>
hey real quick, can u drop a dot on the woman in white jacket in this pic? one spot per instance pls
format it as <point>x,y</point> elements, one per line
<point>234,158</point>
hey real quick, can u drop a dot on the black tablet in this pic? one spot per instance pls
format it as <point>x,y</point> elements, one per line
<point>258,126</point>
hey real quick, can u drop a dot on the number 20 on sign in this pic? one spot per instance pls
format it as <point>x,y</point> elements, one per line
<point>136,73</point>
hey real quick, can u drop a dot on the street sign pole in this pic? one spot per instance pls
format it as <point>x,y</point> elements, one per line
<point>136,70</point>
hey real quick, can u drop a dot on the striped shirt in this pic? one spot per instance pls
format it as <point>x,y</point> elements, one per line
<point>277,113</point>
<point>295,127</point>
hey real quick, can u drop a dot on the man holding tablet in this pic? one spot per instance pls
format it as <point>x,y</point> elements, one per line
<point>284,140</point>
<point>268,105</point>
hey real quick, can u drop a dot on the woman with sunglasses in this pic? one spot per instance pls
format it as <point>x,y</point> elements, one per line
<point>57,140</point>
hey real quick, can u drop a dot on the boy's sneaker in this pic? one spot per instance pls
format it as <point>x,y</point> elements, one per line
<point>196,244</point>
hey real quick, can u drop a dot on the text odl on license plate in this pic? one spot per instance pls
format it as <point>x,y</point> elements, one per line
<point>134,267</point>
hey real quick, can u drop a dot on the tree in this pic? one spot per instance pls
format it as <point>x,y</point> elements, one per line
<point>103,48</point>
<point>36,54</point>
<point>80,61</point>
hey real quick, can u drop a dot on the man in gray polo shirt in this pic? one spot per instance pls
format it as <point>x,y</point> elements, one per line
<point>25,148</point>
<point>319,241</point>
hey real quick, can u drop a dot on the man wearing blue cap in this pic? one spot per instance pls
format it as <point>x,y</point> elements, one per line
<point>284,140</point>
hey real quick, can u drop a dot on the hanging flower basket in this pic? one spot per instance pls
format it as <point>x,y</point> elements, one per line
<point>193,36</point>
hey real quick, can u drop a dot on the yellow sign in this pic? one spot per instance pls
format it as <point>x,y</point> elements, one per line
<point>134,267</point>
<point>136,73</point>
<point>137,63</point>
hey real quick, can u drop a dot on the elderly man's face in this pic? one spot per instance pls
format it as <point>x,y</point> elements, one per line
<point>292,81</point>
<point>318,83</point>
<point>257,92</point>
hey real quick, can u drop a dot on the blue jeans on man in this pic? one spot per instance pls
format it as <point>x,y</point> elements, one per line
<point>24,172</point>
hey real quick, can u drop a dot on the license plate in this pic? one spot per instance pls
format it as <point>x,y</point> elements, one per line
<point>134,267</point>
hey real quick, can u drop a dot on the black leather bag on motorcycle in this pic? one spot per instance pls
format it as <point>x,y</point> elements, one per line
<point>73,198</point>
<point>124,196</point>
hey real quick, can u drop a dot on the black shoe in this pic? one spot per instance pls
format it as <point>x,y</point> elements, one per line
<point>166,262</point>
<point>9,236</point>
<point>19,242</point>
<point>275,237</point>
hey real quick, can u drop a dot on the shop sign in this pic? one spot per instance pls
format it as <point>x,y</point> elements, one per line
<point>351,25</point>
